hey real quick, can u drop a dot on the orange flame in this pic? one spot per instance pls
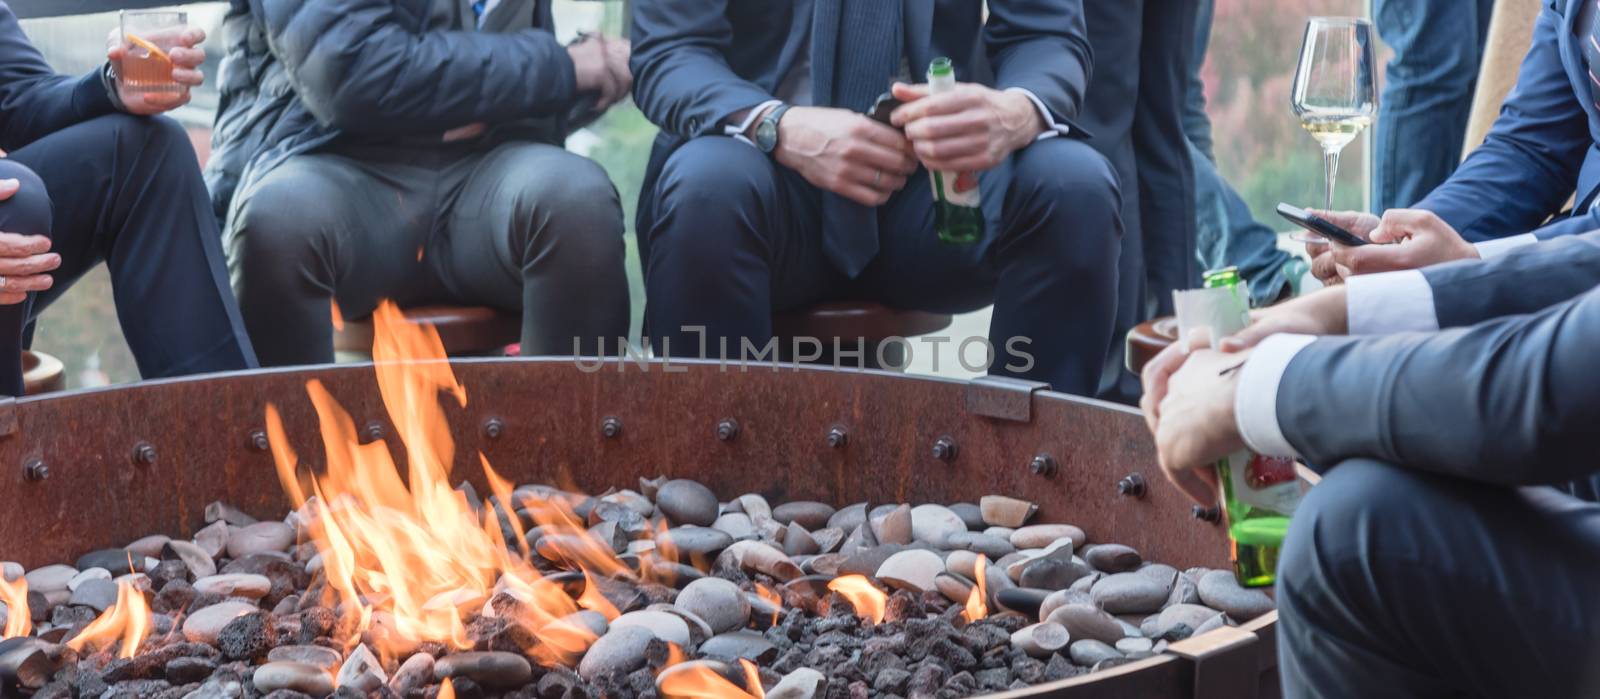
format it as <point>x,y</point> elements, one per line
<point>18,619</point>
<point>752,679</point>
<point>338,317</point>
<point>699,679</point>
<point>771,595</point>
<point>448,689</point>
<point>978,601</point>
<point>407,556</point>
<point>868,601</point>
<point>128,620</point>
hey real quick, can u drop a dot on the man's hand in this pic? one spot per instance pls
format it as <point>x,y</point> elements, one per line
<point>968,129</point>
<point>1407,239</point>
<point>1188,405</point>
<point>25,260</point>
<point>845,153</point>
<point>1360,223</point>
<point>595,65</point>
<point>1322,313</point>
<point>186,56</point>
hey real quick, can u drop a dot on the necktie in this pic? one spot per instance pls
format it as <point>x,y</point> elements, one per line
<point>1591,52</point>
<point>856,47</point>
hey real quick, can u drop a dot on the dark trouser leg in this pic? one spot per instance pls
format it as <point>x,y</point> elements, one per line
<point>1427,94</point>
<point>537,229</point>
<point>1395,583</point>
<point>732,236</point>
<point>26,213</point>
<point>128,191</point>
<point>1166,174</point>
<point>324,227</point>
<point>1048,261</point>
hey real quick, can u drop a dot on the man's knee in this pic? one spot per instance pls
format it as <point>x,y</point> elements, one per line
<point>28,211</point>
<point>563,204</point>
<point>279,222</point>
<point>711,178</point>
<point>1327,539</point>
<point>1066,196</point>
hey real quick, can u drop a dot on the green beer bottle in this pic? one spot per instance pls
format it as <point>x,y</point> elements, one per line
<point>1259,493</point>
<point>955,194</point>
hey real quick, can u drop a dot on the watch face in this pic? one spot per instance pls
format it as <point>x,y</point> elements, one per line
<point>766,135</point>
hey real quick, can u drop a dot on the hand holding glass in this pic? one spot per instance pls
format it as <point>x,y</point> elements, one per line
<point>1335,93</point>
<point>148,37</point>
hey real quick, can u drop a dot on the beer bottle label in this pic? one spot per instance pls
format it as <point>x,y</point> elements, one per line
<point>960,190</point>
<point>1265,482</point>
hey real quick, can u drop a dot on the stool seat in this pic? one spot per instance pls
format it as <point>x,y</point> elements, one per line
<point>465,330</point>
<point>1147,339</point>
<point>42,373</point>
<point>850,320</point>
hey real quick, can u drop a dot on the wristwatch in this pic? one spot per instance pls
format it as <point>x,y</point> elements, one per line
<point>767,130</point>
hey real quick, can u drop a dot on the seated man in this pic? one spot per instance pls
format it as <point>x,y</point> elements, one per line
<point>829,204</point>
<point>1542,149</point>
<point>1434,558</point>
<point>411,150</point>
<point>85,180</point>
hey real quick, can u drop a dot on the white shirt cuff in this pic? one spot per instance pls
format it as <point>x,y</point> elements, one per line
<point>1051,127</point>
<point>1501,246</point>
<point>1255,404</point>
<point>738,130</point>
<point>1390,302</point>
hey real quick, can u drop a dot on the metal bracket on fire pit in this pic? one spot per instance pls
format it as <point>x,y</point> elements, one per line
<point>8,417</point>
<point>1225,663</point>
<point>1002,397</point>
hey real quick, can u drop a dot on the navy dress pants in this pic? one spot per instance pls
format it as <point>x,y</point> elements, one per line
<point>1395,583</point>
<point>728,236</point>
<point>127,191</point>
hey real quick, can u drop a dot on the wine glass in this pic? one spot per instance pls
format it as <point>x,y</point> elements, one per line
<point>1335,94</point>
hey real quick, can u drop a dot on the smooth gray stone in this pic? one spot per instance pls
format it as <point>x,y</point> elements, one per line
<point>1190,615</point>
<point>1052,573</point>
<point>621,649</point>
<point>1134,644</point>
<point>1038,536</point>
<point>667,627</point>
<point>798,542</point>
<point>971,514</point>
<point>827,538</point>
<point>1112,558</point>
<point>811,515</point>
<point>736,524</point>
<point>98,594</point>
<point>1130,593</point>
<point>992,546</point>
<point>703,541</point>
<point>1023,600</point>
<point>688,502</point>
<point>935,524</point>
<point>361,670</point>
<point>1002,511</point>
<point>495,669</point>
<point>1184,591</point>
<point>867,561</point>
<point>204,625</point>
<point>115,561</point>
<point>416,671</point>
<point>1086,583</point>
<point>894,527</point>
<point>954,587</point>
<point>212,538</point>
<point>87,575</point>
<point>1090,651</point>
<point>1084,621</point>
<point>849,517</point>
<point>11,570</point>
<point>1211,624</point>
<point>719,602</point>
<point>1220,590</point>
<point>318,656</point>
<point>235,585</point>
<point>734,645</point>
<point>261,537</point>
<point>307,679</point>
<point>803,683</point>
<point>912,569</point>
<point>194,557</point>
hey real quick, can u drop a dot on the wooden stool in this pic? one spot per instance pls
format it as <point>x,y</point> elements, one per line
<point>1147,339</point>
<point>42,373</point>
<point>465,330</point>
<point>858,326</point>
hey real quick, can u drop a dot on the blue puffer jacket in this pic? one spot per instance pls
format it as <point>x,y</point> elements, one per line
<point>301,74</point>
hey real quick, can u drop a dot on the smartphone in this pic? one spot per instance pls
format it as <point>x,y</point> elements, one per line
<point>883,107</point>
<point>1319,225</point>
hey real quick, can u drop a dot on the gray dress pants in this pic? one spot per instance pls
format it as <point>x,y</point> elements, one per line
<point>1395,583</point>
<point>522,227</point>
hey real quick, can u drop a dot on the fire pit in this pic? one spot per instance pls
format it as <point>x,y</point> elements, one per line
<point>784,449</point>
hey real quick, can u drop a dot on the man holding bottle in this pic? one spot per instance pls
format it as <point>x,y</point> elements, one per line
<point>770,188</point>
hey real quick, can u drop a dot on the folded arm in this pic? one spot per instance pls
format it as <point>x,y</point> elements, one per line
<point>34,100</point>
<point>357,69</point>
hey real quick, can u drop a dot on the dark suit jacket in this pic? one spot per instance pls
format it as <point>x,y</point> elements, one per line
<point>1544,146</point>
<point>34,100</point>
<point>1507,393</point>
<point>695,62</point>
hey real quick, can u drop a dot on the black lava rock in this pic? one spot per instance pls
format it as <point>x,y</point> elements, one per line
<point>114,560</point>
<point>891,680</point>
<point>188,670</point>
<point>175,596</point>
<point>247,637</point>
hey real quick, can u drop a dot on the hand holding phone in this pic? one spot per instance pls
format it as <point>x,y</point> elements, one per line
<point>1320,226</point>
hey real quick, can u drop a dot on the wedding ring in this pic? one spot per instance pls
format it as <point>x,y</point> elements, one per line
<point>877,176</point>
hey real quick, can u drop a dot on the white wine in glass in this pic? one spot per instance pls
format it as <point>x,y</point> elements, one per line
<point>1335,92</point>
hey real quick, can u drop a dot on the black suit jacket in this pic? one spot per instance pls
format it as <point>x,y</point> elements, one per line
<point>34,100</point>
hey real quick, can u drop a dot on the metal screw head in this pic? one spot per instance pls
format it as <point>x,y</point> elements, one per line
<point>728,429</point>
<point>1131,485</point>
<point>257,440</point>
<point>144,454</point>
<point>1212,514</point>
<point>372,432</point>
<point>493,428</point>
<point>610,427</point>
<point>35,470</point>
<point>837,437</point>
<point>1043,465</point>
<point>944,449</point>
